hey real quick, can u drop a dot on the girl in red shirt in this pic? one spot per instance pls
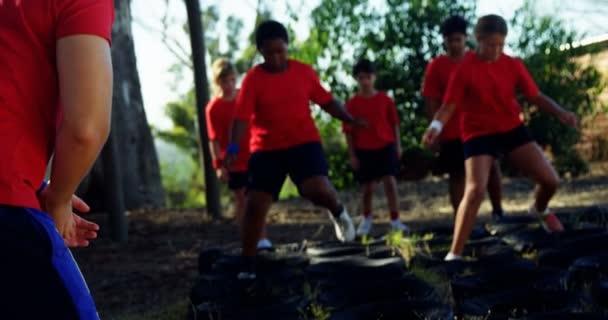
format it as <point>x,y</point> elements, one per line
<point>220,113</point>
<point>483,88</point>
<point>451,149</point>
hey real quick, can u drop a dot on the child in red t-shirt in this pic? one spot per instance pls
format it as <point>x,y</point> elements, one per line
<point>374,150</point>
<point>274,101</point>
<point>484,89</point>
<point>55,99</point>
<point>451,153</point>
<point>220,114</point>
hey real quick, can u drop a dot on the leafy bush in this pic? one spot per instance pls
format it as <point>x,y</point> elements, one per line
<point>545,44</point>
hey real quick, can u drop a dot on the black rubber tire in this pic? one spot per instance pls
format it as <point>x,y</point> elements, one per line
<point>207,258</point>
<point>397,309</point>
<point>519,303</point>
<point>563,316</point>
<point>497,279</point>
<point>367,290</point>
<point>586,271</point>
<point>509,224</point>
<point>571,250</point>
<point>332,252</point>
<point>599,292</point>
<point>537,239</point>
<point>346,269</point>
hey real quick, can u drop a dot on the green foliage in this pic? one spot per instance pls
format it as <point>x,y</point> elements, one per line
<point>542,42</point>
<point>184,133</point>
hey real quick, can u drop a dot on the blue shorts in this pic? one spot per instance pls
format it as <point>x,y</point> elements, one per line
<point>376,164</point>
<point>39,278</point>
<point>269,169</point>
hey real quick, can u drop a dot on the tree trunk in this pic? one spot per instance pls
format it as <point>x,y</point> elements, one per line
<point>201,84</point>
<point>136,153</point>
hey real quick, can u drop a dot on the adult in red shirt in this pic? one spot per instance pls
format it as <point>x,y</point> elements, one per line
<point>484,89</point>
<point>55,98</point>
<point>451,153</point>
<point>220,114</point>
<point>274,101</point>
<point>374,150</point>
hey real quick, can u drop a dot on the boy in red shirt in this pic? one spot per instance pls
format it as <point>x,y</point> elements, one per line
<point>451,153</point>
<point>274,101</point>
<point>483,88</point>
<point>374,150</point>
<point>220,113</point>
<point>55,98</point>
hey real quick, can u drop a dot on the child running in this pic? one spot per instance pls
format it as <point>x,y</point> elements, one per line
<point>55,98</point>
<point>483,87</point>
<point>275,101</point>
<point>374,150</point>
<point>220,113</point>
<point>451,153</point>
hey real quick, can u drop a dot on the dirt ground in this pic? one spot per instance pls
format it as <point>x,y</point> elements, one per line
<point>150,276</point>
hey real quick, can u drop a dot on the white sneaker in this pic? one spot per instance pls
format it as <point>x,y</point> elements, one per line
<point>453,257</point>
<point>397,225</point>
<point>343,225</point>
<point>264,244</point>
<point>365,226</point>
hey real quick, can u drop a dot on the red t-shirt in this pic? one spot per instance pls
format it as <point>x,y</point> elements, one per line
<point>220,114</point>
<point>435,84</point>
<point>29,93</point>
<point>278,106</point>
<point>381,115</point>
<point>485,93</point>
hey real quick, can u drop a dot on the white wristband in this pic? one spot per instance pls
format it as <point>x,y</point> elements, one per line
<point>437,125</point>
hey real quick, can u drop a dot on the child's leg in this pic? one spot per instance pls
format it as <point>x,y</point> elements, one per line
<point>367,196</point>
<point>254,220</point>
<point>456,183</point>
<point>321,192</point>
<point>477,171</point>
<point>530,159</point>
<point>308,169</point>
<point>240,201</point>
<point>495,188</point>
<point>390,190</point>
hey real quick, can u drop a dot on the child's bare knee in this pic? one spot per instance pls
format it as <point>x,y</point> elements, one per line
<point>550,184</point>
<point>475,192</point>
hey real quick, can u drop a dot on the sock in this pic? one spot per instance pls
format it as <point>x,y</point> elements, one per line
<point>452,257</point>
<point>535,212</point>
<point>394,215</point>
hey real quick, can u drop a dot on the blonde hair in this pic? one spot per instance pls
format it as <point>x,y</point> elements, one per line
<point>220,69</point>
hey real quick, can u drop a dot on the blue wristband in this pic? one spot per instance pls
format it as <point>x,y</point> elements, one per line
<point>233,149</point>
<point>42,187</point>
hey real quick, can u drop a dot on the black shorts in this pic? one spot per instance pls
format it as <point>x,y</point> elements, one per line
<point>499,144</point>
<point>451,157</point>
<point>268,169</point>
<point>237,180</point>
<point>39,278</point>
<point>376,164</point>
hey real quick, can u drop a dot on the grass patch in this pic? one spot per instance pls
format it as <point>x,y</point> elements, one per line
<point>532,255</point>
<point>408,246</point>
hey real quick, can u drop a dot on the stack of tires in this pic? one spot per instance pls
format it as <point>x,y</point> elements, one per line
<point>518,271</point>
